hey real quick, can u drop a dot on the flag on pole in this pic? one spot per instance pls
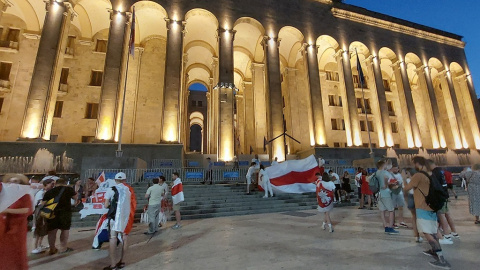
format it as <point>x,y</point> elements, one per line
<point>131,45</point>
<point>100,179</point>
<point>360,71</point>
<point>177,191</point>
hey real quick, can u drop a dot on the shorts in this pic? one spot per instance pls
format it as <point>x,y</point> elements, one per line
<point>410,202</point>
<point>398,200</point>
<point>176,207</point>
<point>62,221</point>
<point>444,209</point>
<point>114,234</point>
<point>426,221</point>
<point>450,186</point>
<point>338,187</point>
<point>249,180</point>
<point>385,204</point>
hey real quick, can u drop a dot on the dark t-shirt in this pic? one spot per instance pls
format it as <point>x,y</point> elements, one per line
<point>438,173</point>
<point>64,204</point>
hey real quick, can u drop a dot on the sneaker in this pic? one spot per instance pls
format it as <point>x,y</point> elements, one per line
<point>430,253</point>
<point>403,224</point>
<point>324,225</point>
<point>445,241</point>
<point>418,239</point>
<point>395,226</point>
<point>448,236</point>
<point>330,228</point>
<point>392,231</point>
<point>176,226</point>
<point>45,247</point>
<point>38,250</point>
<point>33,229</point>
<point>456,197</point>
<point>455,235</point>
<point>264,197</point>
<point>441,265</point>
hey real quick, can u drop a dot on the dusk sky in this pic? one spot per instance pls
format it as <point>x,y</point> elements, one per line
<point>459,17</point>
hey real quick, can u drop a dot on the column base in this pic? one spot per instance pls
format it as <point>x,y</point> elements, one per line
<point>103,141</point>
<point>167,142</point>
<point>32,140</point>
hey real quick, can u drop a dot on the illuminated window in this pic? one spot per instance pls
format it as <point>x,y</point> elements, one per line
<point>337,124</point>
<point>334,100</point>
<point>91,111</point>
<point>58,109</point>
<point>394,127</point>
<point>70,45</point>
<point>88,139</point>
<point>5,69</point>
<point>332,76</point>
<point>361,104</point>
<point>1,104</point>
<point>101,46</point>
<point>391,110</point>
<point>356,82</point>
<point>364,128</point>
<point>64,75</point>
<point>386,85</point>
<point>96,78</point>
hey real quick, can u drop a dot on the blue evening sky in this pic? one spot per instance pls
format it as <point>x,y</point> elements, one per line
<point>460,17</point>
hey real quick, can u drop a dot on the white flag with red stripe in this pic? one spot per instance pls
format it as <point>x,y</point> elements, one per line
<point>294,176</point>
<point>10,193</point>
<point>100,179</point>
<point>177,191</point>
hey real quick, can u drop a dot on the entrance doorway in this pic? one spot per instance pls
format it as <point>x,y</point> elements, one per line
<point>197,110</point>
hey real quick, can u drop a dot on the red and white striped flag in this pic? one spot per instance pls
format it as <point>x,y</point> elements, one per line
<point>131,44</point>
<point>177,191</point>
<point>10,193</point>
<point>100,179</point>
<point>294,176</point>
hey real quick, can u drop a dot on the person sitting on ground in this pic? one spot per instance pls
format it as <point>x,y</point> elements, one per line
<point>324,192</point>
<point>426,217</point>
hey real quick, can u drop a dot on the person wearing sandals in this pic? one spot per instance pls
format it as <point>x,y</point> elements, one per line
<point>63,215</point>
<point>473,188</point>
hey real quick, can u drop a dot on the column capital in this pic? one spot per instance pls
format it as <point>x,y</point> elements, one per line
<point>289,69</point>
<point>214,61</point>
<point>396,65</point>
<point>5,5</point>
<point>338,53</point>
<point>170,22</point>
<point>266,40</point>
<point>185,58</point>
<point>422,68</point>
<point>221,30</point>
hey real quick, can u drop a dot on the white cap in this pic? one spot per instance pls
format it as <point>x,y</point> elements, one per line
<point>120,176</point>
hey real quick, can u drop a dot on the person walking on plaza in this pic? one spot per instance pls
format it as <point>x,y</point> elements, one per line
<point>426,217</point>
<point>118,202</point>
<point>398,197</point>
<point>407,175</point>
<point>208,171</point>
<point>358,183</point>
<point>249,175</point>
<point>366,192</point>
<point>14,211</point>
<point>338,187</point>
<point>385,202</point>
<point>449,180</point>
<point>473,188</point>
<point>265,182</point>
<point>154,195</point>
<point>63,215</point>
<point>40,222</point>
<point>324,192</point>
<point>177,198</point>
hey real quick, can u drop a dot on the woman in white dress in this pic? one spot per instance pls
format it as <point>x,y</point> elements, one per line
<point>266,182</point>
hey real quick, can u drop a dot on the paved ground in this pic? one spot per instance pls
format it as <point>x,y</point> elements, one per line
<point>291,240</point>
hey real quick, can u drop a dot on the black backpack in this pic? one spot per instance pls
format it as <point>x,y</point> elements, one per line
<point>437,195</point>
<point>112,208</point>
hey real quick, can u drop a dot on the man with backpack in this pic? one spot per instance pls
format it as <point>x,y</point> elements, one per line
<point>117,200</point>
<point>379,183</point>
<point>426,201</point>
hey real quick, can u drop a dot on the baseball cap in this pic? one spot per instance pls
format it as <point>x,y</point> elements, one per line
<point>120,176</point>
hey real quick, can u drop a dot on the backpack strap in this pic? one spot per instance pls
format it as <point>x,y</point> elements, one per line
<point>428,176</point>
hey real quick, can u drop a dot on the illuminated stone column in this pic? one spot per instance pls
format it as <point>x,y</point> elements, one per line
<point>239,98</point>
<point>316,95</point>
<point>214,107</point>
<point>208,132</point>
<point>260,107</point>
<point>407,95</point>
<point>274,97</point>
<point>290,97</point>
<point>379,100</point>
<point>42,94</point>
<point>405,110</point>
<point>453,111</point>
<point>248,97</point>
<point>431,108</point>
<point>112,74</point>
<point>226,134</point>
<point>465,90</point>
<point>352,125</point>
<point>173,81</point>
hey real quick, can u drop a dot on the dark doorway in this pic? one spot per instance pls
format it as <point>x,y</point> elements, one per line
<point>195,138</point>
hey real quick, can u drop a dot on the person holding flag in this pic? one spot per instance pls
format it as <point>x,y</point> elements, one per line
<point>324,192</point>
<point>177,198</point>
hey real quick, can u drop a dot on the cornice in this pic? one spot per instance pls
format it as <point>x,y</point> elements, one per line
<point>368,20</point>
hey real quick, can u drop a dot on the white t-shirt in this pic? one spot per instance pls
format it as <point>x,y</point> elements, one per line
<point>156,192</point>
<point>357,179</point>
<point>335,181</point>
<point>257,163</point>
<point>274,163</point>
<point>250,171</point>
<point>39,196</point>
<point>321,162</point>
<point>265,175</point>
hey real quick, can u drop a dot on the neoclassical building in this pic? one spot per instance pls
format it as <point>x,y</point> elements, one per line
<point>260,66</point>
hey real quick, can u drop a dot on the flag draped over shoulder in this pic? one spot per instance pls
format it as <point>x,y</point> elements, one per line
<point>131,44</point>
<point>294,176</point>
<point>177,191</point>
<point>361,77</point>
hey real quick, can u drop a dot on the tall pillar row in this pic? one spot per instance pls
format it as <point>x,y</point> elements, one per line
<point>45,81</point>
<point>412,114</point>
<point>456,108</point>
<point>379,103</point>
<point>402,87</point>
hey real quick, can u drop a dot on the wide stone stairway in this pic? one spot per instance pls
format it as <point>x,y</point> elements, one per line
<point>208,201</point>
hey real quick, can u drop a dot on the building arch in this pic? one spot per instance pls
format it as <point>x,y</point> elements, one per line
<point>31,12</point>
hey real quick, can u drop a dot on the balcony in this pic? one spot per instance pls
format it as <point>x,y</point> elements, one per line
<point>9,44</point>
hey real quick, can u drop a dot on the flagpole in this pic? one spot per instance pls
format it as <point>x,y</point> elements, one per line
<point>119,152</point>
<point>365,108</point>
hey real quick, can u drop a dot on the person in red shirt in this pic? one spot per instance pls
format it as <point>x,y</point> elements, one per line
<point>449,180</point>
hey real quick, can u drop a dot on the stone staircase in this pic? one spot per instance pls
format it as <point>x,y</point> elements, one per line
<point>206,201</point>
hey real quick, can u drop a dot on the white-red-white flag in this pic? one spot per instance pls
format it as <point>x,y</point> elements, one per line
<point>177,191</point>
<point>100,179</point>
<point>10,193</point>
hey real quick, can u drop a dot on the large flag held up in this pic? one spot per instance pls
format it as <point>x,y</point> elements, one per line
<point>294,176</point>
<point>177,191</point>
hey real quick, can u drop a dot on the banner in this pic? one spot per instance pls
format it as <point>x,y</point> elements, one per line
<point>294,176</point>
<point>94,205</point>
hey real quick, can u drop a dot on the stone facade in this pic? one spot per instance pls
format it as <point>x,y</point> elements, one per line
<point>291,60</point>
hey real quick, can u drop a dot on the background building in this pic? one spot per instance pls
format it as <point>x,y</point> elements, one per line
<point>263,64</point>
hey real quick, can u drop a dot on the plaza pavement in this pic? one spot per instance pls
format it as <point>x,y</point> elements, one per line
<point>292,240</point>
